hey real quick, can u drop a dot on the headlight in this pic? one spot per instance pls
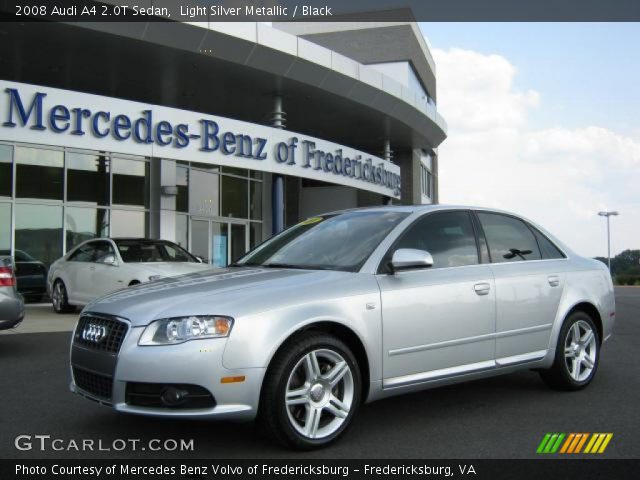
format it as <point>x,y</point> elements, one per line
<point>153,278</point>
<point>170,331</point>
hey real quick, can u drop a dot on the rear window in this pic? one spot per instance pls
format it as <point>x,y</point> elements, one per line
<point>509,239</point>
<point>547,248</point>
<point>133,251</point>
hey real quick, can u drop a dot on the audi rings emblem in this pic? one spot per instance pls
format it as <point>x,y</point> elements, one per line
<point>94,333</point>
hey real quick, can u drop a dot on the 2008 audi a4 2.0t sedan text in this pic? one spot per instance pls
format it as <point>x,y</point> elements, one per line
<point>346,308</point>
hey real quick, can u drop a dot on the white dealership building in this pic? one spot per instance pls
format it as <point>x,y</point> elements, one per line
<point>213,135</point>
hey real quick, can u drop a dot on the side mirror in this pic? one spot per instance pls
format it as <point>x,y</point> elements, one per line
<point>410,259</point>
<point>200,259</point>
<point>109,259</point>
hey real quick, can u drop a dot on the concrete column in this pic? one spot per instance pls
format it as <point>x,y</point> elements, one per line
<point>277,185</point>
<point>163,203</point>
<point>387,155</point>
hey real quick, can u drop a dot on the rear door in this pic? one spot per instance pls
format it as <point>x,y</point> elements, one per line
<point>528,286</point>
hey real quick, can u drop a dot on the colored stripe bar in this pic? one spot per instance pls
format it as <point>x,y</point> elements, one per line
<point>543,443</point>
<point>593,439</point>
<point>555,447</point>
<point>581,443</point>
<point>576,439</point>
<point>550,443</point>
<point>605,443</point>
<point>567,443</point>
<point>596,446</point>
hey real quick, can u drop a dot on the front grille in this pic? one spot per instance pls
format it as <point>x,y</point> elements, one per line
<point>114,332</point>
<point>93,383</point>
<point>150,395</point>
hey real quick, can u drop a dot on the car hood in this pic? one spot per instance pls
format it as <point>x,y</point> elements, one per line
<point>233,292</point>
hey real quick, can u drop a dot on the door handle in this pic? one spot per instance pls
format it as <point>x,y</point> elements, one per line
<point>482,288</point>
<point>554,280</point>
<point>92,267</point>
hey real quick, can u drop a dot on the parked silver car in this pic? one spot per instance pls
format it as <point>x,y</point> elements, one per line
<point>11,302</point>
<point>348,307</point>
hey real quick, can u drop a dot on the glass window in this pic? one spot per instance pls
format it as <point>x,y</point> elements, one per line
<point>129,223</point>
<point>204,193</point>
<point>39,231</point>
<point>547,248</point>
<point>219,244</point>
<point>200,239</point>
<point>130,182</point>
<point>103,249</point>
<point>84,253</point>
<point>182,230</point>
<point>509,239</point>
<point>84,224</point>
<point>238,241</point>
<point>255,204</point>
<point>235,202</point>
<point>88,178</point>
<point>5,226</point>
<point>6,171</point>
<point>241,172</point>
<point>255,174</point>
<point>330,242</point>
<point>255,234</point>
<point>39,173</point>
<point>447,236</point>
<point>182,182</point>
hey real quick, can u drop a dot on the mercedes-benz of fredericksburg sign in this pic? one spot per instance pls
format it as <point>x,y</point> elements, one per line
<point>50,116</point>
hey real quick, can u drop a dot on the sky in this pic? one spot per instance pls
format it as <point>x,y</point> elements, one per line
<point>543,120</point>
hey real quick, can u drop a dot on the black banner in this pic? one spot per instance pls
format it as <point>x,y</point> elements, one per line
<point>320,10</point>
<point>565,469</point>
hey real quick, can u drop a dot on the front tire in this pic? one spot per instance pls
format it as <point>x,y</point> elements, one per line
<point>59,298</point>
<point>311,391</point>
<point>577,354</point>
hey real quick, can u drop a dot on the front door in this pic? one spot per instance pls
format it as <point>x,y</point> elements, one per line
<point>439,321</point>
<point>219,243</point>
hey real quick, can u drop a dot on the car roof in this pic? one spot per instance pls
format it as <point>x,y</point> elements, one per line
<point>422,208</point>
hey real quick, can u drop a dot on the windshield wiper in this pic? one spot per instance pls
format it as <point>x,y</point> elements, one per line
<point>285,265</point>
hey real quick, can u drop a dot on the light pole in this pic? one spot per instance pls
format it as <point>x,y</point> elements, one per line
<point>607,215</point>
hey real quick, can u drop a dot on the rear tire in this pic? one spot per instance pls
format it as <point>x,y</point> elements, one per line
<point>59,298</point>
<point>311,391</point>
<point>577,354</point>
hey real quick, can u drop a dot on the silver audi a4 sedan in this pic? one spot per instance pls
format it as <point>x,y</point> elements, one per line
<point>345,308</point>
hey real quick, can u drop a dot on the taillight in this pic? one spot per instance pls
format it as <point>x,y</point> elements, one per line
<point>7,278</point>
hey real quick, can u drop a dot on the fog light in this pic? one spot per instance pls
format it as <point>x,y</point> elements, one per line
<point>173,397</point>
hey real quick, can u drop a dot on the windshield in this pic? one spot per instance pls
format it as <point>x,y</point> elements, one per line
<point>330,242</point>
<point>133,251</point>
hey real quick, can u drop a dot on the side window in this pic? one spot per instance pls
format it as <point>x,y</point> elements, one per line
<point>102,250</point>
<point>509,239</point>
<point>447,236</point>
<point>547,248</point>
<point>84,253</point>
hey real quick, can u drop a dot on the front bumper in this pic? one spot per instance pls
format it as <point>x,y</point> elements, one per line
<point>197,362</point>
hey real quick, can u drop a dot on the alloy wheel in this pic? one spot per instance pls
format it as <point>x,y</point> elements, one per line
<point>580,350</point>
<point>57,296</point>
<point>320,393</point>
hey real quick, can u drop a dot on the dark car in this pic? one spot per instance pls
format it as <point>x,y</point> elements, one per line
<point>11,302</point>
<point>30,273</point>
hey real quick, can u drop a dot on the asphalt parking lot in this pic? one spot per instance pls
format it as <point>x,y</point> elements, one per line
<point>504,417</point>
